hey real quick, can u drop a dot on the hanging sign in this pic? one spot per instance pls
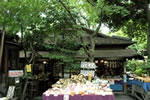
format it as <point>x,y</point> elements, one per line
<point>89,65</point>
<point>15,73</point>
<point>28,67</point>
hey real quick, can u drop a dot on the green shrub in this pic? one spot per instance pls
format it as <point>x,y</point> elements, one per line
<point>138,67</point>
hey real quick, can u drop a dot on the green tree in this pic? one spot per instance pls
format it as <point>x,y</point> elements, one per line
<point>18,16</point>
<point>131,19</point>
<point>88,17</point>
<point>62,43</point>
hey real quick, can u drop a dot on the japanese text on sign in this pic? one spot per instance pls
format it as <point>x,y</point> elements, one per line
<point>89,65</point>
<point>28,68</point>
<point>15,73</point>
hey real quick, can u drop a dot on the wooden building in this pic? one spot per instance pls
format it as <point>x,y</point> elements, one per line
<point>112,50</point>
<point>10,54</point>
<point>9,59</point>
<point>111,55</point>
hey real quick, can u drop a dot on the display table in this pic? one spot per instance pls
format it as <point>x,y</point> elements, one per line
<point>141,90</point>
<point>79,97</point>
<point>144,85</point>
<point>117,85</point>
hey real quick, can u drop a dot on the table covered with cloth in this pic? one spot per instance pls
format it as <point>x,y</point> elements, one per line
<point>79,97</point>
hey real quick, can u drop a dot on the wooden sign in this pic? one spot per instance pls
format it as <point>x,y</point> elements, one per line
<point>15,73</point>
<point>87,72</point>
<point>66,97</point>
<point>10,92</point>
<point>111,81</point>
<point>66,75</point>
<point>89,65</point>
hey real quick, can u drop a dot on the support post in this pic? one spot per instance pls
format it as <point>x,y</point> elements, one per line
<point>124,78</point>
<point>1,47</point>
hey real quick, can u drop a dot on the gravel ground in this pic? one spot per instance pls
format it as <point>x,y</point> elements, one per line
<point>123,97</point>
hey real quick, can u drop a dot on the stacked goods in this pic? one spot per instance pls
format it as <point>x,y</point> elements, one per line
<point>143,79</point>
<point>78,84</point>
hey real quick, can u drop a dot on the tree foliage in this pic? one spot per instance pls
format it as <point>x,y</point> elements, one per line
<point>139,68</point>
<point>64,19</point>
<point>129,16</point>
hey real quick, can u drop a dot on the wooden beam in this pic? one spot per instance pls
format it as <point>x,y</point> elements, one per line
<point>6,59</point>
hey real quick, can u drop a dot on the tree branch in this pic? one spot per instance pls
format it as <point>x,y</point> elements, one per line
<point>70,14</point>
<point>33,53</point>
<point>68,11</point>
<point>25,53</point>
<point>100,21</point>
<point>90,3</point>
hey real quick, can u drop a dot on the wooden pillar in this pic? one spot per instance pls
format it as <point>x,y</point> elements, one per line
<point>124,78</point>
<point>6,59</point>
<point>63,70</point>
<point>17,58</point>
<point>1,48</point>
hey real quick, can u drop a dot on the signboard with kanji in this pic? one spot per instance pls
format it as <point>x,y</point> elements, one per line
<point>10,92</point>
<point>87,72</point>
<point>15,73</point>
<point>89,65</point>
<point>28,67</point>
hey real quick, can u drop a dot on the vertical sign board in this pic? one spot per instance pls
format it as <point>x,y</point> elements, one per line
<point>28,67</point>
<point>90,68</point>
<point>10,92</point>
<point>66,97</point>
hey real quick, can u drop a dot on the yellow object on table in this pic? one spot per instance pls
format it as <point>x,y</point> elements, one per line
<point>89,76</point>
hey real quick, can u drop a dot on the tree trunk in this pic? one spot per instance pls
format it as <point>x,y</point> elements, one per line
<point>1,47</point>
<point>92,49</point>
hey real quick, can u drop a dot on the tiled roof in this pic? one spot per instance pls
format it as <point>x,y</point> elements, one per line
<point>122,53</point>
